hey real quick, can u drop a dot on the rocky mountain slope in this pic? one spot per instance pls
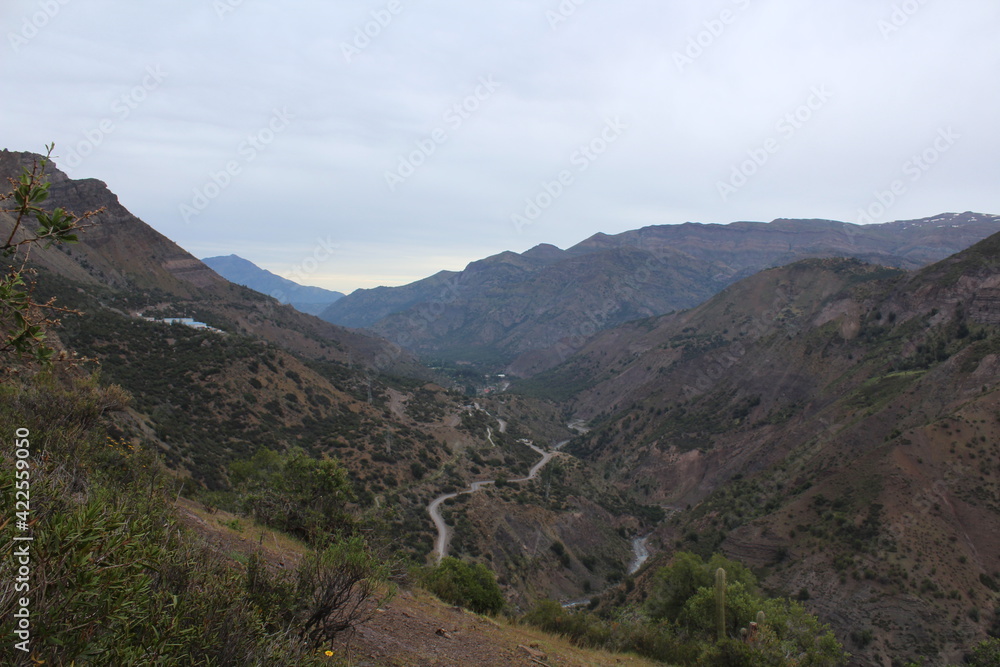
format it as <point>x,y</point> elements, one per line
<point>312,300</point>
<point>268,376</point>
<point>151,274</point>
<point>530,311</point>
<point>272,377</point>
<point>833,423</point>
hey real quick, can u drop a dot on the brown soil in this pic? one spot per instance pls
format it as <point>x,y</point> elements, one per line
<point>417,629</point>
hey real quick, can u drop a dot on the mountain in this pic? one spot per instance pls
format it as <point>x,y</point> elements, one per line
<point>832,423</point>
<point>271,377</point>
<point>527,312</point>
<point>312,300</point>
<point>145,272</point>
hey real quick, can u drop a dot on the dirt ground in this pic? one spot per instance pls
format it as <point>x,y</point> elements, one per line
<point>417,629</point>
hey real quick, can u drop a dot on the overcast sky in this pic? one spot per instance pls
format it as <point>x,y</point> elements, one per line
<point>355,144</point>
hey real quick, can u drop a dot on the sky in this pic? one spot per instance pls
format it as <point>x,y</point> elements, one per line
<point>356,144</point>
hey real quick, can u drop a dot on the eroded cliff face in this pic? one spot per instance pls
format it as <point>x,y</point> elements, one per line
<point>119,249</point>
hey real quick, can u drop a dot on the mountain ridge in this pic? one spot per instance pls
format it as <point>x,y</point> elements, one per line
<point>520,312</point>
<point>305,298</point>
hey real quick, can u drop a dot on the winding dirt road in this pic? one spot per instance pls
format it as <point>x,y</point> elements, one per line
<point>434,508</point>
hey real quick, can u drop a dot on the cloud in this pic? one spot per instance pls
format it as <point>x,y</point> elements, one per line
<point>700,86</point>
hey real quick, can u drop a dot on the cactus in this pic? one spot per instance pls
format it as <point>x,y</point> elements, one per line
<point>749,635</point>
<point>720,603</point>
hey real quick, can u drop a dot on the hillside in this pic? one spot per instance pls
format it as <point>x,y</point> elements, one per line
<point>415,628</point>
<point>123,571</point>
<point>312,300</point>
<point>527,312</point>
<point>269,377</point>
<point>123,257</point>
<point>832,423</point>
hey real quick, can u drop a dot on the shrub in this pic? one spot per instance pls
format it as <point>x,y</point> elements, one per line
<point>987,654</point>
<point>294,492</point>
<point>471,586</point>
<point>676,583</point>
<point>341,587</point>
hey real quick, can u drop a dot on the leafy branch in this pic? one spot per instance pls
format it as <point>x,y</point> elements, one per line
<point>24,321</point>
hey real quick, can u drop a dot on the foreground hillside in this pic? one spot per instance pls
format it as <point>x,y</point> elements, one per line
<point>118,575</point>
<point>832,423</point>
<point>527,312</point>
<point>414,628</point>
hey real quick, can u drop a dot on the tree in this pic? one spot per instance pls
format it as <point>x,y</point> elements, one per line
<point>23,321</point>
<point>676,583</point>
<point>685,593</point>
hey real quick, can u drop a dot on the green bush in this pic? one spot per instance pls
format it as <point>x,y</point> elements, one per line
<point>676,583</point>
<point>471,586</point>
<point>294,492</point>
<point>987,654</point>
<point>680,626</point>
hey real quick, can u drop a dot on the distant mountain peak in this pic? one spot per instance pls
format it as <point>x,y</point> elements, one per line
<point>242,271</point>
<point>545,252</point>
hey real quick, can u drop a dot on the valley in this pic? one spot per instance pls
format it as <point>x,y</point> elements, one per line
<point>818,403</point>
